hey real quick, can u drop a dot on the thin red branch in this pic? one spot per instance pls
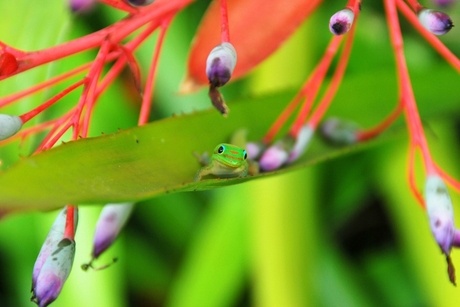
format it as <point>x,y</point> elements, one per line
<point>225,29</point>
<point>150,83</point>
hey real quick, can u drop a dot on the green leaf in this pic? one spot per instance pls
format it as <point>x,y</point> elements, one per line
<point>155,159</point>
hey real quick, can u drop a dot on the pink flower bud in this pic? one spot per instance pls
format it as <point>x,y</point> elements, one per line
<point>440,212</point>
<point>302,142</point>
<point>254,149</point>
<point>277,154</point>
<point>341,22</point>
<point>436,22</point>
<point>9,125</point>
<point>339,132</point>
<point>54,262</point>
<point>220,64</point>
<point>111,220</point>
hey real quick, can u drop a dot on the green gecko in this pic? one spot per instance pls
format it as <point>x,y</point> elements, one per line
<point>227,161</point>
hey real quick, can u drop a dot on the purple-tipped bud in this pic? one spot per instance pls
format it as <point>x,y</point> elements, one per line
<point>440,213</point>
<point>220,64</point>
<point>341,22</point>
<point>54,262</point>
<point>111,220</point>
<point>54,273</point>
<point>436,22</point>
<point>140,2</point>
<point>339,132</point>
<point>277,154</point>
<point>9,125</point>
<point>82,6</point>
<point>55,235</point>
<point>301,143</point>
<point>254,149</point>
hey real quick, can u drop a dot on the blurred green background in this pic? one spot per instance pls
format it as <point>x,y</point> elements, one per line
<point>346,232</point>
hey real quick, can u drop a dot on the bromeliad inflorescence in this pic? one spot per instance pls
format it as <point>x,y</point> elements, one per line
<point>116,45</point>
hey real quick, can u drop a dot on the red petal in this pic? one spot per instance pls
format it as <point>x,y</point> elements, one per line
<point>257,28</point>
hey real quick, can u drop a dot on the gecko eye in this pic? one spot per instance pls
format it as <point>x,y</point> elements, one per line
<point>245,155</point>
<point>221,149</point>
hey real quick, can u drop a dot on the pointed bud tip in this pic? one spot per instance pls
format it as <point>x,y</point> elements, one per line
<point>341,22</point>
<point>436,22</point>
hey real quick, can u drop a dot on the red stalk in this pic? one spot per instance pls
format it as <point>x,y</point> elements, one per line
<point>149,86</point>
<point>69,231</point>
<point>225,31</point>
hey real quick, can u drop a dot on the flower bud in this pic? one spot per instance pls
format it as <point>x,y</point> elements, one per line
<point>81,6</point>
<point>436,22</point>
<point>301,143</point>
<point>254,149</point>
<point>111,220</point>
<point>54,273</point>
<point>339,132</point>
<point>54,262</point>
<point>220,64</point>
<point>277,154</point>
<point>341,22</point>
<point>9,125</point>
<point>440,212</point>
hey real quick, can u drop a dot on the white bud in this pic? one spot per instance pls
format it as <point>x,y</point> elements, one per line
<point>9,125</point>
<point>301,143</point>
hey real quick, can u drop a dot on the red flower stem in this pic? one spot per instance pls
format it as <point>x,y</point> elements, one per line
<point>416,6</point>
<point>225,31</point>
<point>87,98</point>
<point>120,5</point>
<point>314,83</point>
<point>282,118</point>
<point>451,58</point>
<point>53,136</point>
<point>150,83</point>
<point>69,231</point>
<point>411,175</point>
<point>31,114</point>
<point>336,78</point>
<point>9,99</point>
<point>116,69</point>
<point>417,136</point>
<point>158,10</point>
<point>365,135</point>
